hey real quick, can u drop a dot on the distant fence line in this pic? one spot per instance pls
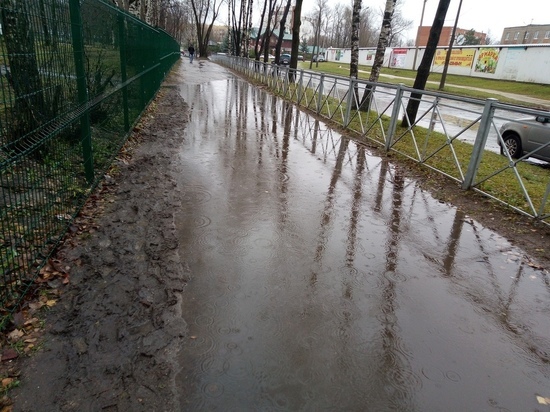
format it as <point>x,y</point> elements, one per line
<point>453,135</point>
<point>522,63</point>
<point>75,77</point>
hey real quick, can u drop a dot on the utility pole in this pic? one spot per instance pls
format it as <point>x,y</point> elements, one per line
<point>418,33</point>
<point>448,56</point>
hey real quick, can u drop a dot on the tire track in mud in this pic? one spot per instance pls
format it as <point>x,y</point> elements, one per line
<point>112,340</point>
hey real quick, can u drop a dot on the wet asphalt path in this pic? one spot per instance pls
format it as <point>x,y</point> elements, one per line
<point>324,279</point>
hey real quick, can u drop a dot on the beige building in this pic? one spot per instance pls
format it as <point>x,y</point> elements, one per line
<point>530,34</point>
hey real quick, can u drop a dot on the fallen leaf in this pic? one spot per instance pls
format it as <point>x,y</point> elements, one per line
<point>15,334</point>
<point>31,321</point>
<point>51,302</point>
<point>9,354</point>
<point>7,382</point>
<point>35,305</point>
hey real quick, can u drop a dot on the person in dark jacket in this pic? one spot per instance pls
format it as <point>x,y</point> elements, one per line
<point>191,51</point>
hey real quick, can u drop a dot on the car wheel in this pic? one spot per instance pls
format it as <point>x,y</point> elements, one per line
<point>513,144</point>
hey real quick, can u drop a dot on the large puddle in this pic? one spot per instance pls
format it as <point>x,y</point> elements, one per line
<point>323,279</point>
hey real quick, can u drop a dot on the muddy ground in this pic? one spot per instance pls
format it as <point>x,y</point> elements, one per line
<point>110,340</point>
<point>115,328</point>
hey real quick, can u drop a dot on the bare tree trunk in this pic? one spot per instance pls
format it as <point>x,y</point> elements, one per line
<point>201,11</point>
<point>150,16</point>
<point>424,68</point>
<point>296,24</point>
<point>142,9</point>
<point>281,32</point>
<point>248,27</point>
<point>385,33</point>
<point>354,63</point>
<point>266,38</point>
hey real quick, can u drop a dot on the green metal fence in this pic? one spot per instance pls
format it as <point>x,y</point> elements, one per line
<point>75,75</point>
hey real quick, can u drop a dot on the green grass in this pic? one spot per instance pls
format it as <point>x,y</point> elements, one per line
<point>483,85</point>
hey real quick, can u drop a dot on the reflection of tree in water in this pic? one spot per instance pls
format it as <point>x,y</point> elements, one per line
<point>400,381</point>
<point>394,371</point>
<point>328,210</point>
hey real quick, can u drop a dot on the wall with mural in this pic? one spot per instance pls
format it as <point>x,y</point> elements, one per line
<point>525,63</point>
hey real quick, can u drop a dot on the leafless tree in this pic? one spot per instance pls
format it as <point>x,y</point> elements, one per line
<point>240,18</point>
<point>205,13</point>
<point>317,18</point>
<point>399,25</point>
<point>296,24</point>
<point>339,34</point>
<point>424,69</point>
<point>282,25</point>
<point>368,29</point>
<point>383,40</point>
<point>354,63</point>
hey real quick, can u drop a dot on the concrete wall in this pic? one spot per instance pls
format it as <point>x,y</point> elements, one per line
<point>525,63</point>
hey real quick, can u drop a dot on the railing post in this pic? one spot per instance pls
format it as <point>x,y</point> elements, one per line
<point>320,93</point>
<point>286,82</point>
<point>78,53</point>
<point>479,143</point>
<point>349,102</point>
<point>300,86</point>
<point>394,115</point>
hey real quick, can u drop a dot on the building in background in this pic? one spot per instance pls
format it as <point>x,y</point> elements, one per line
<point>445,38</point>
<point>530,34</point>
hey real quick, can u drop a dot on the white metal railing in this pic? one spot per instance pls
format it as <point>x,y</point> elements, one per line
<point>443,124</point>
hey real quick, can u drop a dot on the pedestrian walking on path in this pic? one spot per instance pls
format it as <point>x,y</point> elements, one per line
<point>191,51</point>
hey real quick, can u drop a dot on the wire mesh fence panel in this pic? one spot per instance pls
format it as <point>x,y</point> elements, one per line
<point>76,75</point>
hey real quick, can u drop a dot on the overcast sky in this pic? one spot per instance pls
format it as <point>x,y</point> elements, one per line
<point>482,15</point>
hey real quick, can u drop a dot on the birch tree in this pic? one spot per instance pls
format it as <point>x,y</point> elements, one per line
<point>356,20</point>
<point>354,63</point>
<point>383,40</point>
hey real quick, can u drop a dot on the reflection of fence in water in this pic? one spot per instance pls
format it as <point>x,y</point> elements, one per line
<point>475,270</point>
<point>434,138</point>
<point>76,77</point>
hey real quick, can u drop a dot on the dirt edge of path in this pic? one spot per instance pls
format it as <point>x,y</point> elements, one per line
<point>110,341</point>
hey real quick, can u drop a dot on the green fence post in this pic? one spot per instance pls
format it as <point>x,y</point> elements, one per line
<point>123,74</point>
<point>78,51</point>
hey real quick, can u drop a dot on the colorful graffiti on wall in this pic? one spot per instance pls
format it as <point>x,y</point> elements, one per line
<point>487,60</point>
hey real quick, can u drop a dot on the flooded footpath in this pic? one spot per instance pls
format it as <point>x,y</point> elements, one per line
<point>323,278</point>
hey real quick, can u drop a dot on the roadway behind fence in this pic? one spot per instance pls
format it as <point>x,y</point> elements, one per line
<point>76,76</point>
